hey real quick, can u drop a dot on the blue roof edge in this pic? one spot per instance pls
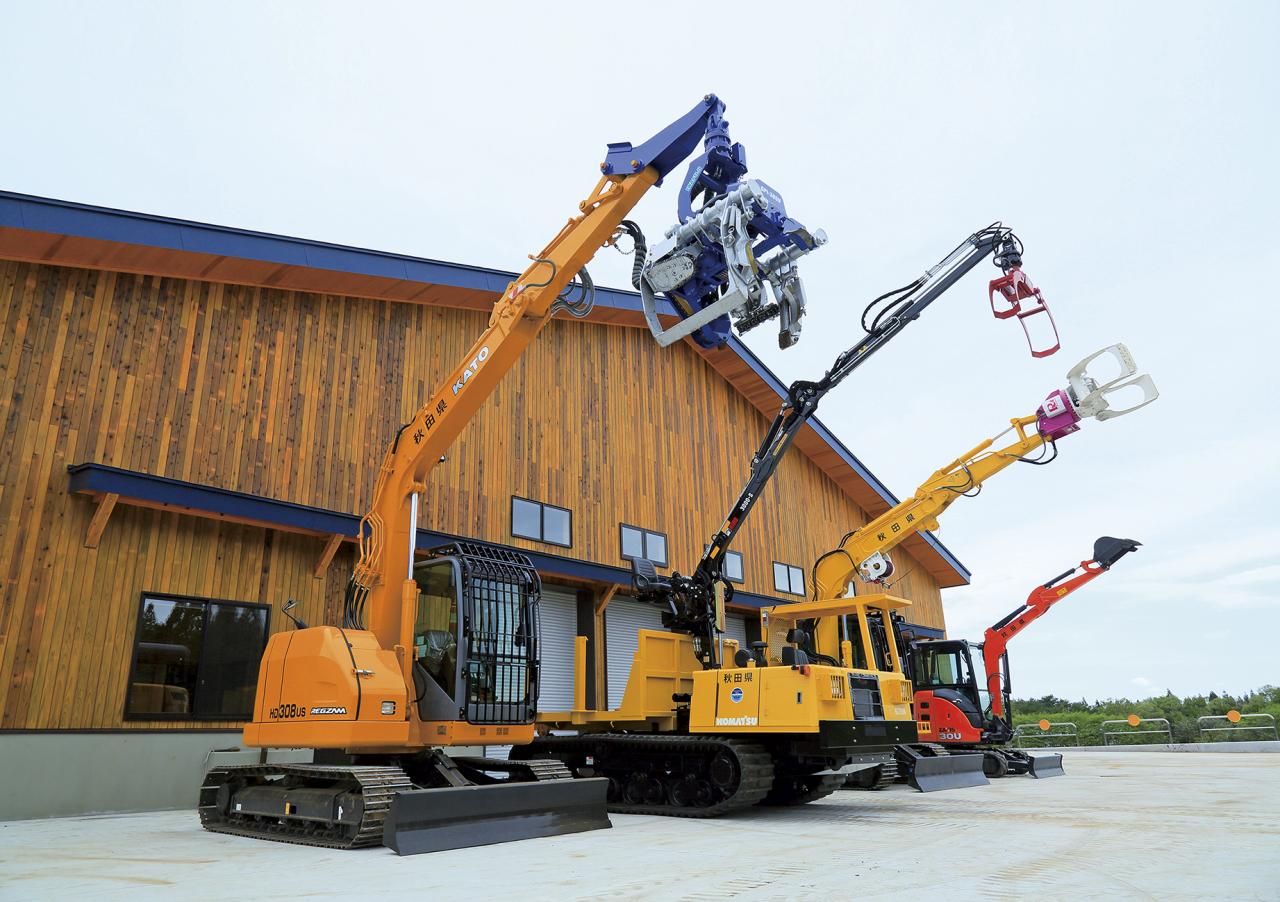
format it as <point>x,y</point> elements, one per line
<point>104,479</point>
<point>42,214</point>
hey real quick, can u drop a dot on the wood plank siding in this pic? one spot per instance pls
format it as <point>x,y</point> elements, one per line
<point>294,396</point>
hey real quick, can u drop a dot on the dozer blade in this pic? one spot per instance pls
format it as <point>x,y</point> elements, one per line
<point>956,771</point>
<point>1046,766</point>
<point>433,820</point>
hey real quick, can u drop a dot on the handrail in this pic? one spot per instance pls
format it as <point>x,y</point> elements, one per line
<point>1065,730</point>
<point>1237,724</point>
<point>1134,721</point>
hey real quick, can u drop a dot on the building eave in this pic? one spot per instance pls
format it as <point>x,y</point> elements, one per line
<point>43,230</point>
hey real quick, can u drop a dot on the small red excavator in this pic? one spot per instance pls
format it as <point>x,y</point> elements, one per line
<point>962,713</point>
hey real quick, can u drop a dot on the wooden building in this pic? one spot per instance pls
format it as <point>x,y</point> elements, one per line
<point>192,421</point>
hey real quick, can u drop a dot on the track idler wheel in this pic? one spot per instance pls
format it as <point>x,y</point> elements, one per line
<point>644,789</point>
<point>691,792</point>
<point>725,772</point>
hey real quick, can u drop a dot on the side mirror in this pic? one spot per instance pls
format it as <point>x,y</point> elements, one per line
<point>289,606</point>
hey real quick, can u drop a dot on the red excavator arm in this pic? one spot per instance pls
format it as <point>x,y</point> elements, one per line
<point>1106,551</point>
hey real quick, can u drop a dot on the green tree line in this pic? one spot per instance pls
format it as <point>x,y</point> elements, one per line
<point>1180,712</point>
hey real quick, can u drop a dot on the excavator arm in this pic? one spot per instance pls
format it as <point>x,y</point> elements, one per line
<point>863,554</point>
<point>995,643</point>
<point>383,572</point>
<point>695,603</point>
<point>444,652</point>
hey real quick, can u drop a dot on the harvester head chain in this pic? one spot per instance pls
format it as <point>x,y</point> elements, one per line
<point>643,751</point>
<point>378,785</point>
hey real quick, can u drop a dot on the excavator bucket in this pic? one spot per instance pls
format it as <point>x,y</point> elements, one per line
<point>433,820</point>
<point>1013,294</point>
<point>1046,766</point>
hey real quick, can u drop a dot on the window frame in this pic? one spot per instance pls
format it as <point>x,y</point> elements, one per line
<point>206,601</point>
<point>644,544</point>
<point>742,564</point>
<point>792,569</point>
<point>542,522</point>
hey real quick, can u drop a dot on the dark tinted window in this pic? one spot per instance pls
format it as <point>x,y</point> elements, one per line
<point>643,543</point>
<point>541,522</point>
<point>195,658</point>
<point>733,566</point>
<point>787,578</point>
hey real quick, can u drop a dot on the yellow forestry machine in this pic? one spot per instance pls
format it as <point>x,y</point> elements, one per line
<point>706,727</point>
<point>439,649</point>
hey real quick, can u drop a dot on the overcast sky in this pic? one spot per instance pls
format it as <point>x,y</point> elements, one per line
<point>1132,146</point>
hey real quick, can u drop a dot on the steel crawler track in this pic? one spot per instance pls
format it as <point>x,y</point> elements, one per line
<point>654,752</point>
<point>377,785</point>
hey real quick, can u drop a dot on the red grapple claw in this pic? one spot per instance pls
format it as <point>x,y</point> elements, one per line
<point>1018,297</point>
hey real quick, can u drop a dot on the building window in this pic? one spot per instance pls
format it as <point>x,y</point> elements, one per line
<point>541,522</point>
<point>788,579</point>
<point>732,567</point>
<point>637,542</point>
<point>195,659</point>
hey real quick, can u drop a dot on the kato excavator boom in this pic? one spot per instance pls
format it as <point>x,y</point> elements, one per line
<point>441,650</point>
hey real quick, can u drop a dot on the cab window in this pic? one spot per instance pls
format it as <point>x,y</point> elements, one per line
<point>853,633</point>
<point>945,668</point>
<point>879,641</point>
<point>435,628</point>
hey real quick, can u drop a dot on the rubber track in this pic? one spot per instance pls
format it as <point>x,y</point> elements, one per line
<point>886,776</point>
<point>540,769</point>
<point>378,786</point>
<point>754,763</point>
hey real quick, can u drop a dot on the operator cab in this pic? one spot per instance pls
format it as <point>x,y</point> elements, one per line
<point>475,636</point>
<point>945,668</point>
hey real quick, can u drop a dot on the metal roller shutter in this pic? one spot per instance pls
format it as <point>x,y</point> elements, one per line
<point>559,627</point>
<point>623,618</point>
<point>558,616</point>
<point>735,627</point>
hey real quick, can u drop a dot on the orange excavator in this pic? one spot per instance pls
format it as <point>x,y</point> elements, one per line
<point>962,712</point>
<point>439,650</point>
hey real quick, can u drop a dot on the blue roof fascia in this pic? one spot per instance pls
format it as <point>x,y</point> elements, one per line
<point>42,214</point>
<point>103,479</point>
